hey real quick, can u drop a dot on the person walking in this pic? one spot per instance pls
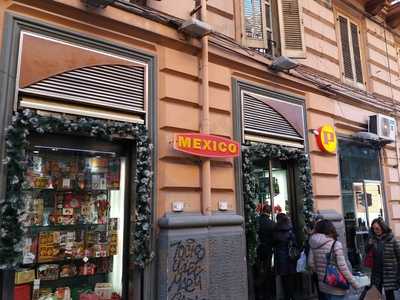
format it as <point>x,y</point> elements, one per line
<point>285,265</point>
<point>322,242</point>
<point>384,250</point>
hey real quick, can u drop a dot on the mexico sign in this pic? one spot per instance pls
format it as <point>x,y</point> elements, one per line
<point>326,139</point>
<point>206,145</point>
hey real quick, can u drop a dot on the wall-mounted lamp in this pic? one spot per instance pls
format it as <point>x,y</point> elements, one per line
<point>98,3</point>
<point>195,28</point>
<point>283,63</point>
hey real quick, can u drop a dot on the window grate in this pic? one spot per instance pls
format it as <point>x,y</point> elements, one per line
<point>113,86</point>
<point>262,118</point>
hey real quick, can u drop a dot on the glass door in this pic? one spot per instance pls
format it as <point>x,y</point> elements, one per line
<point>272,198</point>
<point>368,205</point>
<point>76,221</point>
<point>272,186</point>
<point>373,200</point>
<point>368,202</point>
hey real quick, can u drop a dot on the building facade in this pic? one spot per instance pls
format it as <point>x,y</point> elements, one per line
<point>129,62</point>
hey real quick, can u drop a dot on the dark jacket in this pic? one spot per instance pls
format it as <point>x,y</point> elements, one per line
<point>265,230</point>
<point>282,235</point>
<point>386,270</point>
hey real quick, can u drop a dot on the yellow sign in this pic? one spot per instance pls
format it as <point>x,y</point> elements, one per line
<point>326,139</point>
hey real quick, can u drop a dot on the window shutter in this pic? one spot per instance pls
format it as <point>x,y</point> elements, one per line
<point>346,54</point>
<point>253,23</point>
<point>356,52</point>
<point>291,28</point>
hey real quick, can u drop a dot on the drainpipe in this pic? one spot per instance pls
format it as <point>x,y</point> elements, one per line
<point>205,118</point>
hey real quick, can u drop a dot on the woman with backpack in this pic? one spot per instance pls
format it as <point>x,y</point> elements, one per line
<point>383,251</point>
<point>286,255</point>
<point>326,250</point>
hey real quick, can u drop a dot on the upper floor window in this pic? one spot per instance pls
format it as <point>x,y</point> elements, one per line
<point>350,45</point>
<point>274,27</point>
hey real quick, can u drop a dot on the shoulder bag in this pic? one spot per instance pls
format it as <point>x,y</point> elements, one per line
<point>294,251</point>
<point>333,277</point>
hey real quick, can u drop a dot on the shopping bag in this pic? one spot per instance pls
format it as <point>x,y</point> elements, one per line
<point>373,294</point>
<point>369,259</point>
<point>301,263</point>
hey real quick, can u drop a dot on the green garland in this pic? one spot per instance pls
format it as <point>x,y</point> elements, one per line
<point>250,153</point>
<point>13,206</point>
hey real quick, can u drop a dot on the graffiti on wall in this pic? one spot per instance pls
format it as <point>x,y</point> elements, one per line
<point>187,270</point>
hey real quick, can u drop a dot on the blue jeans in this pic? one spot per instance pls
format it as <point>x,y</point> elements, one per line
<point>331,297</point>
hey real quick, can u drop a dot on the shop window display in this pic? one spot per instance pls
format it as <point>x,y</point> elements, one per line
<point>361,195</point>
<point>75,203</point>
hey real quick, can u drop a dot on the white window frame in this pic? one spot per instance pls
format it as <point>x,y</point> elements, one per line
<point>265,30</point>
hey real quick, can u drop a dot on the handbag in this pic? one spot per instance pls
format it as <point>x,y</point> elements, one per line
<point>333,277</point>
<point>294,252</point>
<point>368,261</point>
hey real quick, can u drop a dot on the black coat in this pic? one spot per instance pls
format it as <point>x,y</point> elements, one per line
<point>386,270</point>
<point>282,235</point>
<point>265,230</point>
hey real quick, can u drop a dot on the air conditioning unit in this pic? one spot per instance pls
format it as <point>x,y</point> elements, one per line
<point>383,126</point>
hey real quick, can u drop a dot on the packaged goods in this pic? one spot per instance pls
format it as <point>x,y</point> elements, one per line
<point>87,269</point>
<point>48,272</point>
<point>68,270</point>
<point>22,292</point>
<point>24,276</point>
<point>103,290</point>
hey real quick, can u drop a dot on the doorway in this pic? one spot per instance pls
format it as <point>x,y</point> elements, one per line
<point>275,194</point>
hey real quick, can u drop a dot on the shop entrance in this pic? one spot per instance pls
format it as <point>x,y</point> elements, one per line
<point>80,198</point>
<point>275,194</point>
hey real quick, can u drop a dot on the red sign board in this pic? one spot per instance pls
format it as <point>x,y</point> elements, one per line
<point>206,145</point>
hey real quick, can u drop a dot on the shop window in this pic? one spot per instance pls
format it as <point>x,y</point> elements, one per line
<point>362,194</point>
<point>350,45</point>
<point>274,27</point>
<point>77,221</point>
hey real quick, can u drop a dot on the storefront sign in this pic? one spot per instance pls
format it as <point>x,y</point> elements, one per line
<point>326,139</point>
<point>206,145</point>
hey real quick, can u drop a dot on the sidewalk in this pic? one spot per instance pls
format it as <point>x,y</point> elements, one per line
<point>355,296</point>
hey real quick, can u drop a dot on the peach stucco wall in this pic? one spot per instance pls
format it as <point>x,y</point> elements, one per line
<point>178,91</point>
<point>179,111</point>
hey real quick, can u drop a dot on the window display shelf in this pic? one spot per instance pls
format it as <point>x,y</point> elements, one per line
<point>67,260</point>
<point>80,280</point>
<point>44,228</point>
<point>85,190</point>
<point>79,198</point>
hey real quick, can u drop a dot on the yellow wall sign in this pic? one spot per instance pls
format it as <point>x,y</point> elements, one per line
<point>326,139</point>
